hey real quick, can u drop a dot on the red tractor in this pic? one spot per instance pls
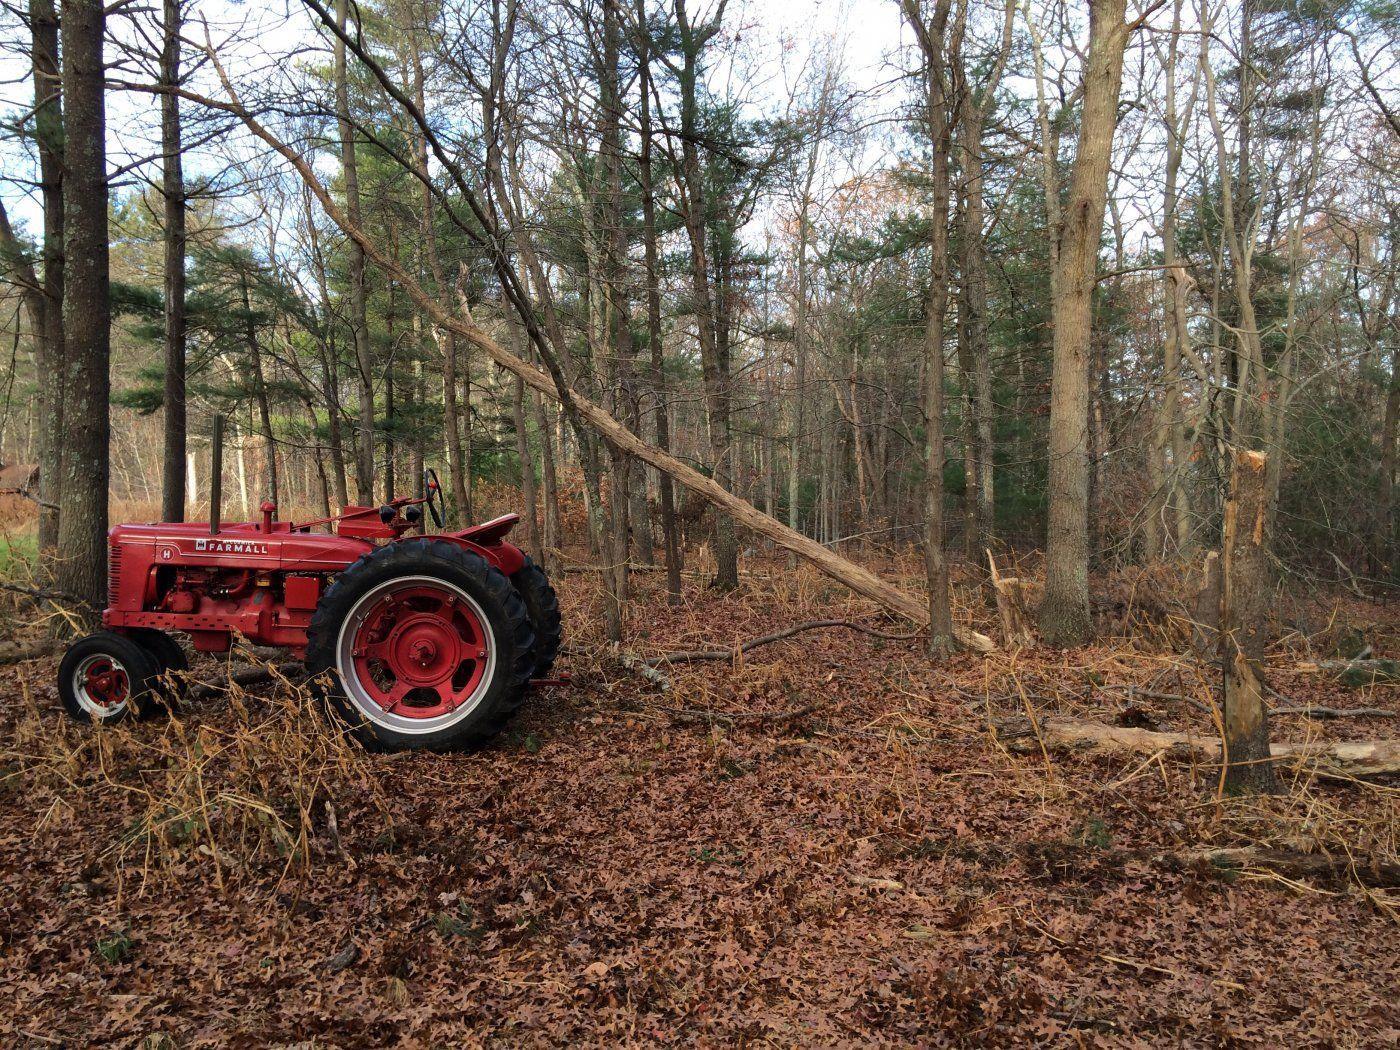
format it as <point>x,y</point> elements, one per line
<point>419,641</point>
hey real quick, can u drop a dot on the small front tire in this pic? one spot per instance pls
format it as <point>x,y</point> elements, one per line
<point>105,678</point>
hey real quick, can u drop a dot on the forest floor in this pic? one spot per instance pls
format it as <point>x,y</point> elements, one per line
<point>863,859</point>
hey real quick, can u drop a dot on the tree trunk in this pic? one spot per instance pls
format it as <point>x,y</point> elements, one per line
<point>82,534</point>
<point>549,544</point>
<point>1244,627</point>
<point>936,62</point>
<point>713,360</point>
<point>52,363</point>
<point>1064,612</point>
<point>976,100</point>
<point>255,362</point>
<point>530,515</point>
<point>665,491</point>
<point>359,324</point>
<point>1385,541</point>
<point>173,193</point>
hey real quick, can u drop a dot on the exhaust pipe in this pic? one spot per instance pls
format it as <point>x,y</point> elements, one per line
<point>216,477</point>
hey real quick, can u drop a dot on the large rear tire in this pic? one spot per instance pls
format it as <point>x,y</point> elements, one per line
<point>422,644</point>
<point>543,603</point>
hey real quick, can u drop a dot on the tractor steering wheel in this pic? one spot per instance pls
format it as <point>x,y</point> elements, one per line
<point>432,489</point>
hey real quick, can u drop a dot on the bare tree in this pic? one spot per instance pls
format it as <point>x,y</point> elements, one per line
<point>87,309</point>
<point>1064,612</point>
<point>173,197</point>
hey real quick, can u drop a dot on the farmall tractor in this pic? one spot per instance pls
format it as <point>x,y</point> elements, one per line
<point>418,640</point>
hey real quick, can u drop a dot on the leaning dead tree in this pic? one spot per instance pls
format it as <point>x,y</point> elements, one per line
<point>552,385</point>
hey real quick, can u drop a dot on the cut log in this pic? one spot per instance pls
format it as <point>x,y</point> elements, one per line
<point>859,579</point>
<point>1361,759</point>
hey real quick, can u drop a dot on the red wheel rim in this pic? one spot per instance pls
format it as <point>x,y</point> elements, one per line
<point>419,651</point>
<point>104,682</point>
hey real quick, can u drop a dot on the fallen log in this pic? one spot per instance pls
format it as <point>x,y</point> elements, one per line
<point>1337,712</point>
<point>1360,759</point>
<point>16,653</point>
<point>243,677</point>
<point>1365,869</point>
<point>859,579</point>
<point>1355,672</point>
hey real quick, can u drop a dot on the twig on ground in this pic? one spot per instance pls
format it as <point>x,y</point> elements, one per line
<point>768,639</point>
<point>692,714</point>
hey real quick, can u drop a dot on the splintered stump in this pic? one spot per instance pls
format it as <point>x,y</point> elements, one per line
<point>1244,615</point>
<point>1013,607</point>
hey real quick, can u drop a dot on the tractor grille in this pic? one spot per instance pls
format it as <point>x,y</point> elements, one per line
<point>114,572</point>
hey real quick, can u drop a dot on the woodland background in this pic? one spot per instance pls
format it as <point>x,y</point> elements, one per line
<point>926,283</point>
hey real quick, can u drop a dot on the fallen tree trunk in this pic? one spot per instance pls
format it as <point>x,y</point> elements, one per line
<point>1353,758</point>
<point>1364,869</point>
<point>1355,672</point>
<point>856,577</point>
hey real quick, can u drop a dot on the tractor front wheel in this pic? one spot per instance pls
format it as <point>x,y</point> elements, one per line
<point>169,654</point>
<point>106,677</point>
<point>422,644</point>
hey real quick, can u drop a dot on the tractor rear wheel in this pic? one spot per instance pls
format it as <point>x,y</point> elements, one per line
<point>106,677</point>
<point>543,603</point>
<point>422,644</point>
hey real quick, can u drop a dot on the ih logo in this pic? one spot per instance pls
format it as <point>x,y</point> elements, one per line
<point>230,547</point>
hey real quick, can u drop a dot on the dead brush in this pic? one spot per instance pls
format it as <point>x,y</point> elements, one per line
<point>256,787</point>
<point>1355,831</point>
<point>247,793</point>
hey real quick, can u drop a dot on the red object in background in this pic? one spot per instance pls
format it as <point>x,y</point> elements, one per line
<point>262,580</point>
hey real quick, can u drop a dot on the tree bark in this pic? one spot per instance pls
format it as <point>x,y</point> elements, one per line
<point>172,490</point>
<point>1064,612</point>
<point>359,323</point>
<point>549,543</point>
<point>531,516</point>
<point>665,491</point>
<point>87,307</point>
<point>713,359</point>
<point>931,35</point>
<point>1244,627</point>
<point>52,364</point>
<point>255,363</point>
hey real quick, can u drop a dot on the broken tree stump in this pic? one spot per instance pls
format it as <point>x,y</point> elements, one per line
<point>1243,627</point>
<point>1013,607</point>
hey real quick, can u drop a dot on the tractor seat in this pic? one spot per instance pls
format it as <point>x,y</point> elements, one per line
<point>489,532</point>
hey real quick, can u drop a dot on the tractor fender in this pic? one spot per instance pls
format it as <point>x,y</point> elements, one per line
<point>505,556</point>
